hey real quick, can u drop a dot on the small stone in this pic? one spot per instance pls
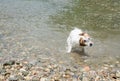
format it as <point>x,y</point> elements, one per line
<point>43,79</point>
<point>25,73</point>
<point>34,72</point>
<point>73,69</point>
<point>118,74</point>
<point>47,70</point>
<point>2,71</point>
<point>86,68</point>
<point>8,67</point>
<point>22,69</point>
<point>1,78</point>
<point>117,62</point>
<point>118,79</point>
<point>66,76</point>
<point>61,62</point>
<point>11,62</point>
<point>85,79</point>
<point>74,79</point>
<point>33,62</point>
<point>20,77</point>
<point>13,78</point>
<point>28,78</point>
<point>7,75</point>
<point>28,66</point>
<point>97,78</point>
<point>18,67</point>
<point>17,63</point>
<point>35,78</point>
<point>55,66</point>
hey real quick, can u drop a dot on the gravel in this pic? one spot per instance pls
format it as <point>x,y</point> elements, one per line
<point>48,71</point>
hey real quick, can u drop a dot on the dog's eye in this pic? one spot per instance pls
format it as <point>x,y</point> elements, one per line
<point>85,40</point>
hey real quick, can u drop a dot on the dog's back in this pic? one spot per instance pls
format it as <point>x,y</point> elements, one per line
<point>74,34</point>
<point>75,31</point>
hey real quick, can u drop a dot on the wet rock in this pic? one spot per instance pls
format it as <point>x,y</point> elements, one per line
<point>28,66</point>
<point>33,62</point>
<point>66,76</point>
<point>33,72</point>
<point>24,72</point>
<point>73,69</point>
<point>28,78</point>
<point>75,79</point>
<point>85,79</point>
<point>35,78</point>
<point>20,77</point>
<point>43,79</point>
<point>7,67</point>
<point>47,70</point>
<point>113,75</point>
<point>118,74</point>
<point>7,74</point>
<point>97,78</point>
<point>1,78</point>
<point>11,62</point>
<point>13,78</point>
<point>56,77</point>
<point>118,79</point>
<point>2,71</point>
<point>86,68</point>
<point>18,63</point>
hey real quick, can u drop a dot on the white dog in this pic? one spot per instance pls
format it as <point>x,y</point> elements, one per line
<point>78,38</point>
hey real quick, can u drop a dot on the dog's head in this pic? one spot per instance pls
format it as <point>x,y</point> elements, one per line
<point>85,40</point>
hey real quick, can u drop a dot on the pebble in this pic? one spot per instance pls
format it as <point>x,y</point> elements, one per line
<point>28,78</point>
<point>1,78</point>
<point>25,71</point>
<point>11,62</point>
<point>47,70</point>
<point>86,68</point>
<point>43,79</point>
<point>13,78</point>
<point>118,74</point>
<point>35,78</point>
<point>20,77</point>
<point>66,76</point>
<point>85,79</point>
<point>97,78</point>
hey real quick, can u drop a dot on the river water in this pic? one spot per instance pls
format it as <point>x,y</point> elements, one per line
<point>40,28</point>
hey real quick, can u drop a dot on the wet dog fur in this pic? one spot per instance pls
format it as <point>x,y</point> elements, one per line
<point>78,38</point>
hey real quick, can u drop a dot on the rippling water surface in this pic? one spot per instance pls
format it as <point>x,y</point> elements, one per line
<point>41,27</point>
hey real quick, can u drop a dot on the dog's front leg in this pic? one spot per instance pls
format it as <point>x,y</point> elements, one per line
<point>82,50</point>
<point>69,45</point>
<point>69,48</point>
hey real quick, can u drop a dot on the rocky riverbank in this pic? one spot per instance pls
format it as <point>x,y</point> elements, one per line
<point>46,70</point>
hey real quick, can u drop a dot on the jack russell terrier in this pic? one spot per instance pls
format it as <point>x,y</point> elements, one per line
<point>78,38</point>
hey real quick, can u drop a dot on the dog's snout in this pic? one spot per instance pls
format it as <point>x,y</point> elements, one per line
<point>91,44</point>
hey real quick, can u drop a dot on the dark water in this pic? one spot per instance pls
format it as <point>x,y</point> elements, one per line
<point>41,27</point>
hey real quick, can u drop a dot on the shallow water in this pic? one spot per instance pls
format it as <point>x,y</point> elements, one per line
<point>41,27</point>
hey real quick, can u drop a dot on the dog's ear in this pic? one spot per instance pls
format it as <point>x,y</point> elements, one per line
<point>81,42</point>
<point>81,34</point>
